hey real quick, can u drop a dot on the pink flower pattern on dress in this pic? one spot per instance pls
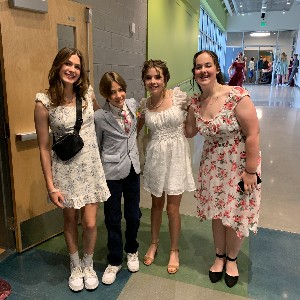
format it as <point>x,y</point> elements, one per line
<point>223,162</point>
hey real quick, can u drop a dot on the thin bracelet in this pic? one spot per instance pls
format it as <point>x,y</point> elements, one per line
<point>53,191</point>
<point>251,173</point>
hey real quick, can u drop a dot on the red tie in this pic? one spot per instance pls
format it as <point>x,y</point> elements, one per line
<point>127,123</point>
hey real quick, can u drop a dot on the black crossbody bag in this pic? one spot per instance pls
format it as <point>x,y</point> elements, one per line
<point>70,144</point>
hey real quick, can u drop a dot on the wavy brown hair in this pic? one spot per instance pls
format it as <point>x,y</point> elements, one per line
<point>106,82</point>
<point>213,55</point>
<point>156,64</point>
<point>56,85</point>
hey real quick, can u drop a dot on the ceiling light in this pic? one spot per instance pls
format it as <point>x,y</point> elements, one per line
<point>260,34</point>
<point>288,2</point>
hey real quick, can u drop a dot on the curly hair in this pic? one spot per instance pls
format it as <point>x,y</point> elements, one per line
<point>56,85</point>
<point>106,82</point>
<point>213,55</point>
<point>151,63</point>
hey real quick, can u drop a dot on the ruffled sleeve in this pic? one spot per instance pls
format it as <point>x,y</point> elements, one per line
<point>42,97</point>
<point>141,111</point>
<point>88,94</point>
<point>181,99</point>
<point>239,93</point>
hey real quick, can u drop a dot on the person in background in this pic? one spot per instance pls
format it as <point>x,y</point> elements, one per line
<point>76,185</point>
<point>267,74</point>
<point>294,70</point>
<point>116,133</point>
<point>240,71</point>
<point>282,69</point>
<point>251,69</point>
<point>227,119</point>
<point>265,63</point>
<point>260,67</point>
<point>167,168</point>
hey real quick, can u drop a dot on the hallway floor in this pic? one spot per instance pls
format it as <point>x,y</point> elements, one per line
<point>269,262</point>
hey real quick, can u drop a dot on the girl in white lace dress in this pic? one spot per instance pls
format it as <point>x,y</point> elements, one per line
<point>167,165</point>
<point>226,117</point>
<point>78,183</point>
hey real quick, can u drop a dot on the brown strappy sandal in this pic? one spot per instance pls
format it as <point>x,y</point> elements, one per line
<point>172,269</point>
<point>149,260</point>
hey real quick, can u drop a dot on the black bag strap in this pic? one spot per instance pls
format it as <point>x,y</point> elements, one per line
<point>79,120</point>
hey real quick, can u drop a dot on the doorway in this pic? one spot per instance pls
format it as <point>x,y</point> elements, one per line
<point>6,210</point>
<point>35,219</point>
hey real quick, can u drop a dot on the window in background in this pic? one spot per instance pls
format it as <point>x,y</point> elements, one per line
<point>211,37</point>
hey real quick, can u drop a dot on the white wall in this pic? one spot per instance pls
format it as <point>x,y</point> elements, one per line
<point>275,21</point>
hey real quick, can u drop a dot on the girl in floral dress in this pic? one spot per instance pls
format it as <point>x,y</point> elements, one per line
<point>78,184</point>
<point>226,117</point>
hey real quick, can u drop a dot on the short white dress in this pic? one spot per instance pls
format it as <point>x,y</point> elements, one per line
<point>81,179</point>
<point>168,163</point>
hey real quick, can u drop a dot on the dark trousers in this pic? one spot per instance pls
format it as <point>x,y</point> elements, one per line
<point>293,73</point>
<point>130,188</point>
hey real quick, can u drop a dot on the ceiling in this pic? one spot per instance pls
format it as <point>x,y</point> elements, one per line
<point>234,7</point>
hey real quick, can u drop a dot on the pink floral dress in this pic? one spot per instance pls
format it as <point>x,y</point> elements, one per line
<point>222,164</point>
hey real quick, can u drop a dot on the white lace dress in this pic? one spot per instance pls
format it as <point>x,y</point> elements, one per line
<point>168,162</point>
<point>80,179</point>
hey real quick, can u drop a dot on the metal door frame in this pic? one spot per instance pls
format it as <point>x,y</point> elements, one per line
<point>7,237</point>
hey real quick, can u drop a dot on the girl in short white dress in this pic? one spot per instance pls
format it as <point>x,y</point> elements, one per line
<point>168,164</point>
<point>76,185</point>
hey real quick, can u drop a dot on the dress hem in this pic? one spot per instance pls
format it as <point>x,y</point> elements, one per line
<point>238,233</point>
<point>172,193</point>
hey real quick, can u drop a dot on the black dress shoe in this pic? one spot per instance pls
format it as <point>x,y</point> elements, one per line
<point>216,276</point>
<point>231,280</point>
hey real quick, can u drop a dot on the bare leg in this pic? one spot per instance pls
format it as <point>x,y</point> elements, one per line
<point>89,227</point>
<point>219,235</point>
<point>173,204</point>
<point>156,219</point>
<point>234,244</point>
<point>71,228</point>
<point>278,79</point>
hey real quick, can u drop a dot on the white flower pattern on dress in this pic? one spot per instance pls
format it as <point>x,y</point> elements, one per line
<point>222,164</point>
<point>80,179</point>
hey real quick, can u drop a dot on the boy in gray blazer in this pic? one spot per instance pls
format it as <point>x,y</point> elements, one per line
<point>116,133</point>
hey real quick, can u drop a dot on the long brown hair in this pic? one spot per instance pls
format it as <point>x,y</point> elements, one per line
<point>213,55</point>
<point>56,86</point>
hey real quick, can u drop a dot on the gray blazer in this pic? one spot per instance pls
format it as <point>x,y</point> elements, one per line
<point>118,150</point>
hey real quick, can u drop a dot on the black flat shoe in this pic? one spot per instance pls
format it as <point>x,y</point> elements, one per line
<point>231,280</point>
<point>216,276</point>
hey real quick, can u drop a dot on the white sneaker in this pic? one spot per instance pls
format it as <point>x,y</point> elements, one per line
<point>91,281</point>
<point>133,263</point>
<point>110,274</point>
<point>76,279</point>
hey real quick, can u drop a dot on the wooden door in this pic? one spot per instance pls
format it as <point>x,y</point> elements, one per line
<point>28,45</point>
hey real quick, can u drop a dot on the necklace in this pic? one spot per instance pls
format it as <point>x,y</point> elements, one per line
<point>159,103</point>
<point>69,99</point>
<point>215,99</point>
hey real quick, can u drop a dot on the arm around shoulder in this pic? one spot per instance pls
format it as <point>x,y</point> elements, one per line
<point>190,129</point>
